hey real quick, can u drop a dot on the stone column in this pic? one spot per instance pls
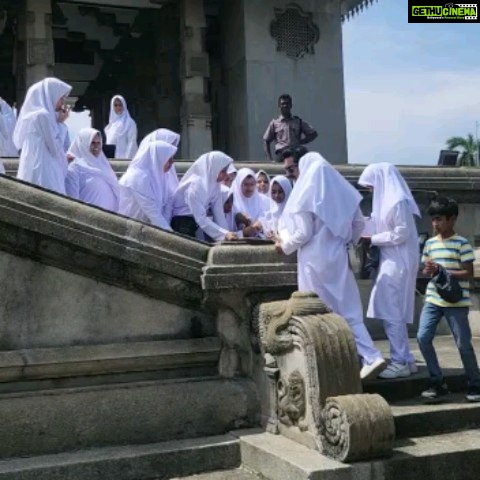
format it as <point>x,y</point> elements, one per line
<point>195,110</point>
<point>276,46</point>
<point>35,54</point>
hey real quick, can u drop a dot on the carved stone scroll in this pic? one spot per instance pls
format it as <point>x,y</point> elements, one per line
<point>357,427</point>
<point>318,394</point>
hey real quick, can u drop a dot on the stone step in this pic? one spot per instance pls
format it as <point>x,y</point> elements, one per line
<point>235,474</point>
<point>276,457</point>
<point>158,461</point>
<point>450,456</point>
<point>60,420</point>
<point>188,356</point>
<point>411,387</point>
<point>454,456</point>
<point>419,418</point>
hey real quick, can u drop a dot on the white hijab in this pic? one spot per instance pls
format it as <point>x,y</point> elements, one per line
<point>389,188</point>
<point>172,138</point>
<point>263,172</point>
<point>276,209</point>
<point>85,161</point>
<point>203,175</point>
<point>118,125</point>
<point>163,134</point>
<point>254,206</point>
<point>145,172</point>
<point>7,126</point>
<point>321,190</point>
<point>41,97</point>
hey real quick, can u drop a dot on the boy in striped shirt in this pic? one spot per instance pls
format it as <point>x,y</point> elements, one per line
<point>455,254</point>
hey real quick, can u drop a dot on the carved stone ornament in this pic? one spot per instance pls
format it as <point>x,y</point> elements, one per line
<point>318,390</point>
<point>294,31</point>
<point>291,400</point>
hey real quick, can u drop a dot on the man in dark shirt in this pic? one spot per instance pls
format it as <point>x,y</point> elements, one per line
<point>287,130</point>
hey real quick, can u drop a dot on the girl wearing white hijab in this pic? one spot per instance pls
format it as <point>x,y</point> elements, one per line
<point>393,295</point>
<point>280,190</point>
<point>199,190</point>
<point>144,194</point>
<point>321,216</point>
<point>90,177</point>
<point>36,134</point>
<point>7,126</point>
<point>231,174</point>
<point>172,138</point>
<point>121,130</point>
<point>246,198</point>
<point>263,182</point>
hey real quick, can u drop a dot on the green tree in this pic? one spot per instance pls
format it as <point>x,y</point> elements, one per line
<point>468,148</point>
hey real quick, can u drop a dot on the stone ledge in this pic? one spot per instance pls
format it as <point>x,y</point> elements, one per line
<point>418,178</point>
<point>89,241</point>
<point>41,363</point>
<point>83,239</point>
<point>248,267</point>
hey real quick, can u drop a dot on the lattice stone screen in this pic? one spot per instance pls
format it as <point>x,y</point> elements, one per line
<point>294,31</point>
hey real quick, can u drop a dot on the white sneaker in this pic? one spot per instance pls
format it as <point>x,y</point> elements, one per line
<point>396,370</point>
<point>372,369</point>
<point>413,367</point>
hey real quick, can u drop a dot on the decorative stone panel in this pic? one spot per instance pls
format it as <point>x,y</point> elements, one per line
<point>316,399</point>
<point>294,31</point>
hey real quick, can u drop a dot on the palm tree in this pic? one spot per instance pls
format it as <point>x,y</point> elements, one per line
<point>469,149</point>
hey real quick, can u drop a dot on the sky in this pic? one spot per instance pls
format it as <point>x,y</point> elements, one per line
<point>408,87</point>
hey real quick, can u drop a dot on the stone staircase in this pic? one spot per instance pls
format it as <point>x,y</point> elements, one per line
<point>125,436</point>
<point>112,338</point>
<point>433,440</point>
<point>436,441</point>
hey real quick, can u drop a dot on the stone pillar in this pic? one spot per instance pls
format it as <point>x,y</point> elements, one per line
<point>276,46</point>
<point>35,54</point>
<point>195,110</point>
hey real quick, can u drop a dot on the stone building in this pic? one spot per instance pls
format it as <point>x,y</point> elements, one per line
<point>212,69</point>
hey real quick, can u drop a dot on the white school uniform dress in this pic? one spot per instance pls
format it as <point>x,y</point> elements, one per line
<point>199,192</point>
<point>321,216</point>
<point>393,294</point>
<point>7,126</point>
<point>91,179</point>
<point>42,159</point>
<point>144,194</point>
<point>121,131</point>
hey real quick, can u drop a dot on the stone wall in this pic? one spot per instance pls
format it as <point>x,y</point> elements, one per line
<point>257,71</point>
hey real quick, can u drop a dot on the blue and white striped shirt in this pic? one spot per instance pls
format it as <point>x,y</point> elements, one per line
<point>450,253</point>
